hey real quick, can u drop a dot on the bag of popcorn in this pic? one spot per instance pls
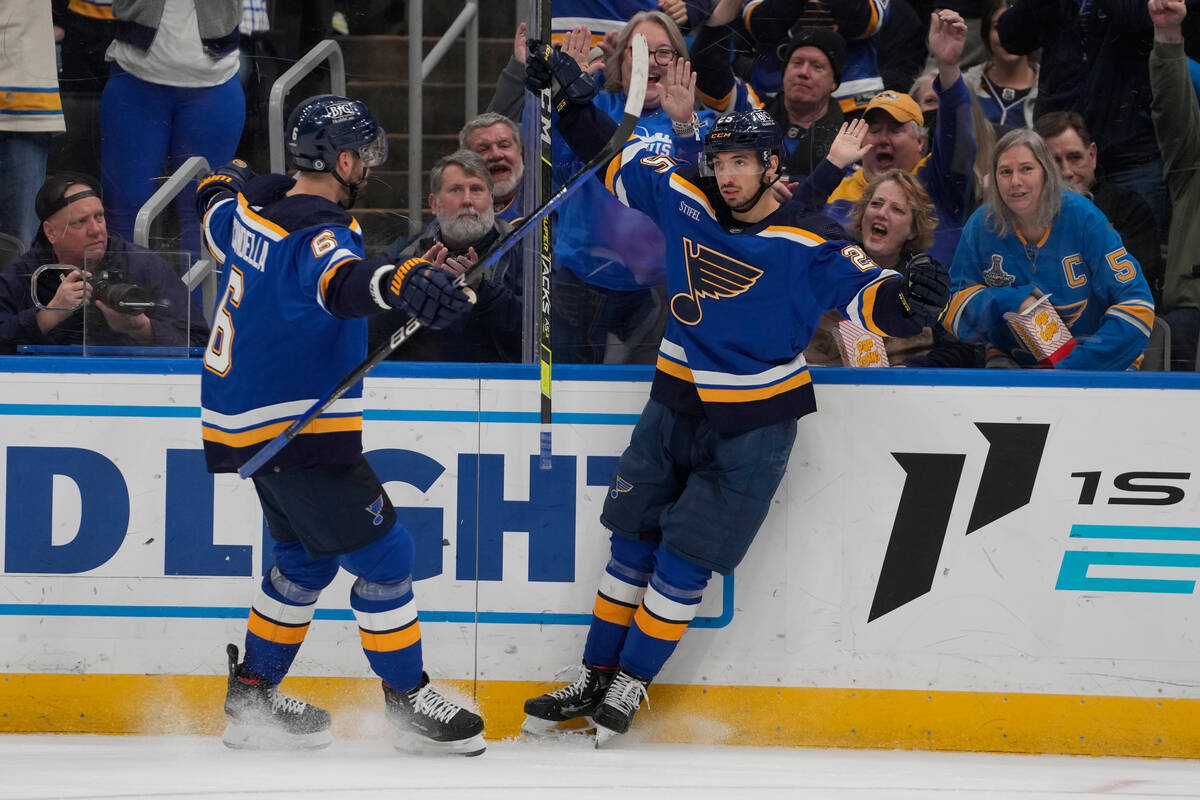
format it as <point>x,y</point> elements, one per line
<point>858,346</point>
<point>1042,332</point>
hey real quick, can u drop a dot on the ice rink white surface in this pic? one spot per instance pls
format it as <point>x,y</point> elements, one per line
<point>43,767</point>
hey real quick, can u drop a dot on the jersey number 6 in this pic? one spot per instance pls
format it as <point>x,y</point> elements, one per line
<point>218,357</point>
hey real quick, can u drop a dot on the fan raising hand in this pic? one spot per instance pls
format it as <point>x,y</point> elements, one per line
<point>678,91</point>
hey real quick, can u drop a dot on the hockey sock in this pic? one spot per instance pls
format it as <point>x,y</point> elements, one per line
<point>665,611</point>
<point>382,599</point>
<point>279,620</point>
<point>391,634</point>
<point>621,589</point>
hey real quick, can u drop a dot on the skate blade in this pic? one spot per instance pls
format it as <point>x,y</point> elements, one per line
<point>540,728</point>
<point>415,744</point>
<point>604,736</point>
<point>263,737</point>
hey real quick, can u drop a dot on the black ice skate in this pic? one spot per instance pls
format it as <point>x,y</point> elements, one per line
<point>615,713</point>
<point>260,717</point>
<point>426,722</point>
<point>577,700</point>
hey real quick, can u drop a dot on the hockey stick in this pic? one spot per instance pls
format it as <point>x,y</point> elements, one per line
<point>545,251</point>
<point>633,112</point>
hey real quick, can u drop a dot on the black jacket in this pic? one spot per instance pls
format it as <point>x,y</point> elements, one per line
<point>1096,66</point>
<point>490,333</point>
<point>176,321</point>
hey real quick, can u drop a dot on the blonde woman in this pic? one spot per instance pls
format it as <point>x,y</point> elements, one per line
<point>894,221</point>
<point>1036,237</point>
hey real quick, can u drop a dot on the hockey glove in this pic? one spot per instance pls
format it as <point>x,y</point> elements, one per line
<point>546,65</point>
<point>429,293</point>
<point>927,291</point>
<point>229,179</point>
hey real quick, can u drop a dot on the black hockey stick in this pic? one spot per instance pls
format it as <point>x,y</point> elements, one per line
<point>633,111</point>
<point>545,253</point>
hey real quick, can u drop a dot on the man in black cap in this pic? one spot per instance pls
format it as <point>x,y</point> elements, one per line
<point>118,294</point>
<point>804,108</point>
<point>808,116</point>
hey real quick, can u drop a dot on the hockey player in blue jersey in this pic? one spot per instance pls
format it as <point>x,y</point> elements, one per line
<point>1035,237</point>
<point>747,283</point>
<point>290,323</point>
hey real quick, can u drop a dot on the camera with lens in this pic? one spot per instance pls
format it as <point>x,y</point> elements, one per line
<point>110,287</point>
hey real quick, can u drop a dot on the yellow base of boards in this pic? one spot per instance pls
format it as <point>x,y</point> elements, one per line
<point>732,715</point>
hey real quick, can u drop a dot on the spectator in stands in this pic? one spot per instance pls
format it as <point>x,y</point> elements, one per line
<point>73,233</point>
<point>87,31</point>
<point>1067,136</point>
<point>1176,114</point>
<point>902,50</point>
<point>173,93</point>
<point>465,227</point>
<point>898,135</point>
<point>259,67</point>
<point>604,16</point>
<point>30,110</point>
<point>1033,219</point>
<point>894,222</point>
<point>1094,60</point>
<point>1005,83</point>
<point>808,116</point>
<point>497,140</point>
<point>772,23</point>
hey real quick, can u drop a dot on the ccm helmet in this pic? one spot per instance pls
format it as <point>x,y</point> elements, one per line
<point>744,130</point>
<point>321,127</point>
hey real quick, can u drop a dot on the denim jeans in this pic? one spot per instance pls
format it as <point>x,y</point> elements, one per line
<point>23,165</point>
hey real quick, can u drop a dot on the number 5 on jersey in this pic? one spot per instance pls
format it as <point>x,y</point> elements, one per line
<point>218,357</point>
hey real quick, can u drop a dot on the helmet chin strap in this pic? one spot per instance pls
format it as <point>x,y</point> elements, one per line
<point>352,189</point>
<point>753,201</point>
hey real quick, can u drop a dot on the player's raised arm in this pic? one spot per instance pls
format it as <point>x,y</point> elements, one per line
<point>585,128</point>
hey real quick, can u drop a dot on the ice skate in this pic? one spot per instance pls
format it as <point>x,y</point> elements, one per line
<point>615,713</point>
<point>544,715</point>
<point>260,717</point>
<point>427,723</point>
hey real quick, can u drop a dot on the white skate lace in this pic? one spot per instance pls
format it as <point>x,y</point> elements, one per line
<point>626,693</point>
<point>572,689</point>
<point>281,702</point>
<point>430,703</point>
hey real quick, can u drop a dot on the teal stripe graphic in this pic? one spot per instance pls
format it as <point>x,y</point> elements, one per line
<point>1138,532</point>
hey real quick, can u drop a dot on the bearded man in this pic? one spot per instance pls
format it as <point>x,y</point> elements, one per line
<point>462,196</point>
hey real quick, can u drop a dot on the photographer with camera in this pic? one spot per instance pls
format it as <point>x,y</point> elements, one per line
<point>118,294</point>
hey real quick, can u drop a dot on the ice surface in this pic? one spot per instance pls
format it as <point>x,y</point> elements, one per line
<point>179,768</point>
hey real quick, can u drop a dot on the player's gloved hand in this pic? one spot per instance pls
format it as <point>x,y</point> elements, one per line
<point>928,290</point>
<point>546,65</point>
<point>429,293</point>
<point>228,179</point>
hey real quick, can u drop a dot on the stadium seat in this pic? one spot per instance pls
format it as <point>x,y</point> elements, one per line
<point>1157,355</point>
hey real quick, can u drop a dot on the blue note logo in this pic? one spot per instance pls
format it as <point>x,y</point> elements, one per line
<point>620,486</point>
<point>376,510</point>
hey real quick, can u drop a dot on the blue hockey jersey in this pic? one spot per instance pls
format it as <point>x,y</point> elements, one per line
<point>744,302</point>
<point>600,16</point>
<point>1096,286</point>
<point>277,345</point>
<point>601,241</point>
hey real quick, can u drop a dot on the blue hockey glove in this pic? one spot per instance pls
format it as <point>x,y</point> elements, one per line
<point>927,291</point>
<point>429,293</point>
<point>226,180</point>
<point>546,65</point>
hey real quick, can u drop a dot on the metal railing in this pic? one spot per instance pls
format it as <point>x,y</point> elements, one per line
<point>327,50</point>
<point>418,70</point>
<point>201,273</point>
